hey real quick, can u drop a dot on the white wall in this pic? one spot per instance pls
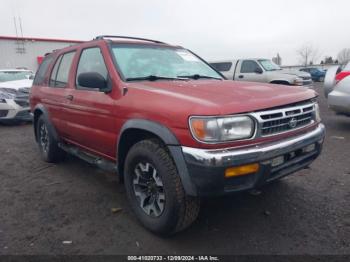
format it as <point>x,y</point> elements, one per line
<point>10,58</point>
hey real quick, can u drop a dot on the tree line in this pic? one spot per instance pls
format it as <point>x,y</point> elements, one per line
<point>308,55</point>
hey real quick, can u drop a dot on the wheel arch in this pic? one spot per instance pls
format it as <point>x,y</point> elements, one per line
<point>37,112</point>
<point>280,82</point>
<point>136,130</point>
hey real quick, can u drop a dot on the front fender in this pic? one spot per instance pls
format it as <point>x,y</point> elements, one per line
<point>170,141</point>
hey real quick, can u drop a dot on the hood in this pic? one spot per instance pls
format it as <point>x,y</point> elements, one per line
<point>294,72</point>
<point>212,97</point>
<point>17,84</point>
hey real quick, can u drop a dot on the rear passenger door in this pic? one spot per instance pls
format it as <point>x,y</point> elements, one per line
<point>55,96</point>
<point>248,71</point>
<point>91,112</point>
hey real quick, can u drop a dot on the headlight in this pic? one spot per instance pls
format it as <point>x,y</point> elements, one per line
<point>317,113</point>
<point>221,129</point>
<point>298,81</point>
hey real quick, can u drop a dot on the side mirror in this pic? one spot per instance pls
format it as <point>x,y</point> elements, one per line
<point>258,70</point>
<point>92,80</point>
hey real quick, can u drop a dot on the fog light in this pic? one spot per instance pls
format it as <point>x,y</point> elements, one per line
<point>309,148</point>
<point>241,170</point>
<point>280,160</point>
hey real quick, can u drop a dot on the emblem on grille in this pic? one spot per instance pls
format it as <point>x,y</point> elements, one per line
<point>293,123</point>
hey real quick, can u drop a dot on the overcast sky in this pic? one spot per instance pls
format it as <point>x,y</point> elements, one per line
<point>214,29</point>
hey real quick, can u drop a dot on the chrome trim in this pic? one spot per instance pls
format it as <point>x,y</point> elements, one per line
<point>283,111</point>
<point>237,156</point>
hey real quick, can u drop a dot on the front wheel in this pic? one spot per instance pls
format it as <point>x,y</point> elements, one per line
<point>155,191</point>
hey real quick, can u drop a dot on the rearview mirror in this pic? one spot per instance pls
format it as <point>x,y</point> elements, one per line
<point>92,80</point>
<point>258,70</point>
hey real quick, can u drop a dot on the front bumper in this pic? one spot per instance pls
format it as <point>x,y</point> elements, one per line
<point>206,168</point>
<point>11,111</point>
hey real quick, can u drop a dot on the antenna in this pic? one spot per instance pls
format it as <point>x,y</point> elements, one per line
<point>20,27</point>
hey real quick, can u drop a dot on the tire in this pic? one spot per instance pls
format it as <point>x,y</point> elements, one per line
<point>172,210</point>
<point>48,145</point>
<point>321,79</point>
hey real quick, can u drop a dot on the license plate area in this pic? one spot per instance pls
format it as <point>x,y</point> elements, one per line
<point>290,156</point>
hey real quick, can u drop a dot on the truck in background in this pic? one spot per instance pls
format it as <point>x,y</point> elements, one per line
<point>261,70</point>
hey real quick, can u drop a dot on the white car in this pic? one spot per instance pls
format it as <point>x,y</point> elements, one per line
<point>337,89</point>
<point>15,87</point>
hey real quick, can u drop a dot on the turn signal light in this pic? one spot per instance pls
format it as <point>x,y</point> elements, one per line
<point>241,170</point>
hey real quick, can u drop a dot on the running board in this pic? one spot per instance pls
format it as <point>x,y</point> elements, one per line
<point>102,163</point>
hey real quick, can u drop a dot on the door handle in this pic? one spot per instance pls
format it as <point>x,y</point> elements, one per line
<point>69,97</point>
<point>240,76</point>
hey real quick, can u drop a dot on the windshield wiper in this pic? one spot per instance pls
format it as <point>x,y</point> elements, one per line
<point>197,76</point>
<point>153,78</point>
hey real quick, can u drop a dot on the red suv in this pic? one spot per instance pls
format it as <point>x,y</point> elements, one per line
<point>169,124</point>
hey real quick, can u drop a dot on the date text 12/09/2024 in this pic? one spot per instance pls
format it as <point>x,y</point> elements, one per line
<point>173,258</point>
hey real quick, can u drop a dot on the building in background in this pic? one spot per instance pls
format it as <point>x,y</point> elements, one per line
<point>28,52</point>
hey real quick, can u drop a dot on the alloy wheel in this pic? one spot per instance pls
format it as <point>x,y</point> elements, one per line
<point>148,189</point>
<point>44,138</point>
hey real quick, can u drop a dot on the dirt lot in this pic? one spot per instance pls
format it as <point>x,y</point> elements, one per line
<point>43,205</point>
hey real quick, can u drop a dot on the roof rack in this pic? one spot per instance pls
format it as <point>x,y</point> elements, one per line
<point>127,37</point>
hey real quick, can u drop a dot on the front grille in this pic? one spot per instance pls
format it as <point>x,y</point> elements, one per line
<point>3,113</point>
<point>22,103</point>
<point>284,119</point>
<point>23,114</point>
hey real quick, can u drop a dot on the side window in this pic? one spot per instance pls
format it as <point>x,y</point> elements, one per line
<point>249,66</point>
<point>54,72</point>
<point>40,74</point>
<point>223,67</point>
<point>60,72</point>
<point>91,60</point>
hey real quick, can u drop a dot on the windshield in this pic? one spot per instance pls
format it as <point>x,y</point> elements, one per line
<point>137,62</point>
<point>268,65</point>
<point>14,75</point>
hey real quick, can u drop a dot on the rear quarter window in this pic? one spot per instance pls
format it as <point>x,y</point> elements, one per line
<point>39,78</point>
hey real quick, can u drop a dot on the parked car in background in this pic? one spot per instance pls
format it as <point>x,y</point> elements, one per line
<point>15,87</point>
<point>261,70</point>
<point>343,72</point>
<point>337,90</point>
<point>317,74</point>
<point>169,125</point>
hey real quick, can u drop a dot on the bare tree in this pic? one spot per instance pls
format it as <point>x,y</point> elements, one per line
<point>307,54</point>
<point>344,56</point>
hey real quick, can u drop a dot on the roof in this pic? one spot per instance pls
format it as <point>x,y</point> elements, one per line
<point>40,39</point>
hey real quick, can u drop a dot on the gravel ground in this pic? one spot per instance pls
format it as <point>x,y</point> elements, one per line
<point>43,205</point>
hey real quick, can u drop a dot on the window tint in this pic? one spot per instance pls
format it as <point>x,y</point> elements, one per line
<point>54,72</point>
<point>226,66</point>
<point>40,74</point>
<point>91,60</point>
<point>60,73</point>
<point>249,66</point>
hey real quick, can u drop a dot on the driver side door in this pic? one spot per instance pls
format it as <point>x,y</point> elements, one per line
<point>91,114</point>
<point>249,71</point>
